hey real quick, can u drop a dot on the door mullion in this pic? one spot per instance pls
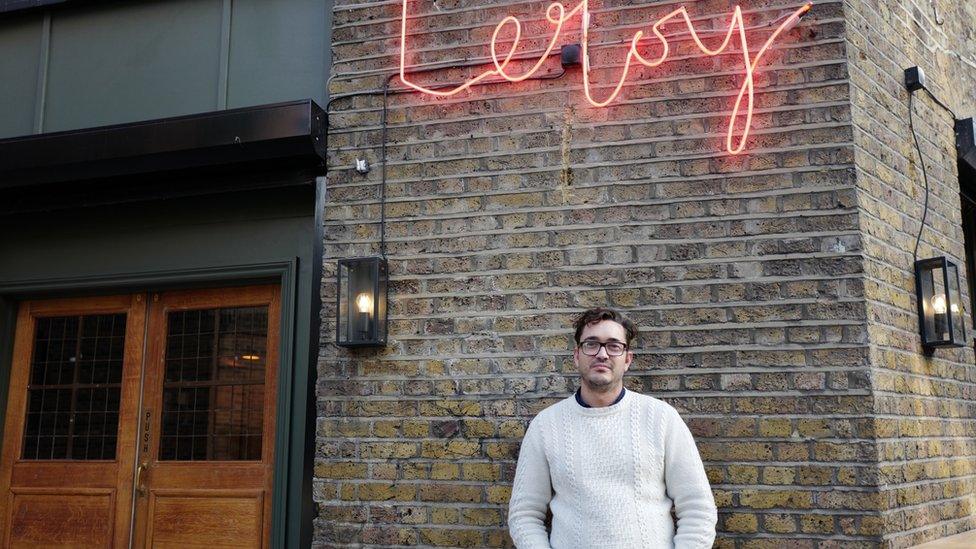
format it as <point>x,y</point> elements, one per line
<point>141,456</point>
<point>74,389</point>
<point>212,389</point>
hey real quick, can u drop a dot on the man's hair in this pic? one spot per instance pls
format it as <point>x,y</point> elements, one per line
<point>602,313</point>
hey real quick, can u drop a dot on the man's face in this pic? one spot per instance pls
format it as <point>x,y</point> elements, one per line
<point>603,372</point>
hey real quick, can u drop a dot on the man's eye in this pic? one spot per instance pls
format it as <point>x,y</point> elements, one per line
<point>615,347</point>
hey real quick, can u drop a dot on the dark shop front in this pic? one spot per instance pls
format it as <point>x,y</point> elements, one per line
<point>160,204</point>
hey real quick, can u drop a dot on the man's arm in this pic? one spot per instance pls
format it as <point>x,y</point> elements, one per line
<point>531,493</point>
<point>687,486</point>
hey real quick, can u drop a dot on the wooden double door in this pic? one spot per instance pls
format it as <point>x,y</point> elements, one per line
<point>142,420</point>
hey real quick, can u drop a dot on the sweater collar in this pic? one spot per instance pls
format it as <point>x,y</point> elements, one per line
<point>581,402</point>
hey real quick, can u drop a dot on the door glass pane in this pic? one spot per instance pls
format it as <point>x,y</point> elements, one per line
<point>213,392</point>
<point>75,387</point>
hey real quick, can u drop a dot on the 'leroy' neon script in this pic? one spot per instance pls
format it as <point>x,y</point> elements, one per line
<point>557,16</point>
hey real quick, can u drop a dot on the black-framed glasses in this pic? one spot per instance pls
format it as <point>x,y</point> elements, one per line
<point>592,348</point>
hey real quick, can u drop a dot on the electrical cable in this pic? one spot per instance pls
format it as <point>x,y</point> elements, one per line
<point>386,89</point>
<point>941,104</point>
<point>921,160</point>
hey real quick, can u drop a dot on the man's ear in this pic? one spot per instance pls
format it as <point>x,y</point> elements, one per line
<point>630,358</point>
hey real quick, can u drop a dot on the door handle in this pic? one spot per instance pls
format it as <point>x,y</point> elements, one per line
<point>140,487</point>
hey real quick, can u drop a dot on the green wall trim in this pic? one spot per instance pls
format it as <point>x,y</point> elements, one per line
<point>178,278</point>
<point>290,436</point>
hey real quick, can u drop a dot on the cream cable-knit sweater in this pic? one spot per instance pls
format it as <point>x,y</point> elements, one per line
<point>610,476</point>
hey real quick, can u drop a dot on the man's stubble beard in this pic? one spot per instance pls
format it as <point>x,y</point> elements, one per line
<point>599,386</point>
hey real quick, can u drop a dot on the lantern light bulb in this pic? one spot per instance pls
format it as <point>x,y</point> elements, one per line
<point>364,302</point>
<point>939,304</point>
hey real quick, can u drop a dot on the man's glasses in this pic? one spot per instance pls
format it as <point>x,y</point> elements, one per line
<point>592,348</point>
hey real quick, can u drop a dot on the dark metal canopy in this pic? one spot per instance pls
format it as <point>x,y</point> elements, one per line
<point>966,142</point>
<point>291,134</point>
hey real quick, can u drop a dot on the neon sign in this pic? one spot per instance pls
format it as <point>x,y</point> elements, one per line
<point>557,16</point>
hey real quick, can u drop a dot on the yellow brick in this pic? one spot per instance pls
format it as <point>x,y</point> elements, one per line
<point>414,471</point>
<point>767,499</point>
<point>384,471</point>
<point>817,428</point>
<point>416,429</point>
<point>741,523</point>
<point>444,537</point>
<point>386,429</point>
<point>782,428</point>
<point>499,494</point>
<point>444,471</point>
<point>778,475</point>
<point>478,428</point>
<point>340,470</point>
<point>743,474</point>
<point>480,471</point>
<point>481,517</point>
<point>780,524</point>
<point>511,429</point>
<point>444,515</point>
<point>817,524</point>
<point>376,492</point>
<point>450,492</point>
<point>449,449</point>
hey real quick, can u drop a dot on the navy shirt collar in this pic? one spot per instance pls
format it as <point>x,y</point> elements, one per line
<point>581,402</point>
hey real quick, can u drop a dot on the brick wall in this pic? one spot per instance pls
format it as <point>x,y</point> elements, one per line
<point>511,208</point>
<point>925,407</point>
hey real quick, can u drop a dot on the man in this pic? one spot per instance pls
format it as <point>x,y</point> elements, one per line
<point>609,463</point>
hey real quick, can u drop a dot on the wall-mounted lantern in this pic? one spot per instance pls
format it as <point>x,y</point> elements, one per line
<point>940,311</point>
<point>361,311</point>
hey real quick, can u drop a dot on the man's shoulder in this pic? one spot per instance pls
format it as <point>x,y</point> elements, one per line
<point>652,403</point>
<point>555,409</point>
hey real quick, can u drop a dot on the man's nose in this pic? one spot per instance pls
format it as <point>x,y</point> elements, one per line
<point>603,352</point>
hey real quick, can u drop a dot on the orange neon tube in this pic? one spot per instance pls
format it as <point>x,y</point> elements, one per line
<point>557,16</point>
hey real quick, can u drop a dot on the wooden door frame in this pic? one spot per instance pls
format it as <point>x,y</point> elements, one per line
<point>291,445</point>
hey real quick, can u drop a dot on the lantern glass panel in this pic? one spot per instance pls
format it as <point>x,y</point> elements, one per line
<point>361,296</point>
<point>955,305</point>
<point>933,300</point>
<point>343,315</point>
<point>380,303</point>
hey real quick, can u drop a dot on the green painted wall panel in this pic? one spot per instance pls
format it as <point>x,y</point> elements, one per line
<point>132,61</point>
<point>118,62</point>
<point>20,56</point>
<point>186,233</point>
<point>278,51</point>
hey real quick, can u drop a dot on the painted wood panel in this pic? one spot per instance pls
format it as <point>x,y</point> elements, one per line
<point>21,54</point>
<point>120,62</point>
<point>136,61</point>
<point>278,51</point>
